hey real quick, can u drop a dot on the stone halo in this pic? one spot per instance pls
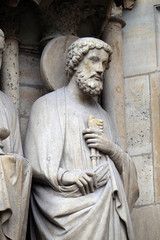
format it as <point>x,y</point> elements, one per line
<point>52,63</point>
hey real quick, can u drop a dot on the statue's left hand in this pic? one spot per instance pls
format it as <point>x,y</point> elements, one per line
<point>98,140</point>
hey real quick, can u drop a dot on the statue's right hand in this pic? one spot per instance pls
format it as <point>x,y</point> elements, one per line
<point>85,180</point>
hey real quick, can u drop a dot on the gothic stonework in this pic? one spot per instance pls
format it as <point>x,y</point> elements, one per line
<point>74,18</point>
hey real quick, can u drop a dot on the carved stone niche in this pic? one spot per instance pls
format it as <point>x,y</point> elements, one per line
<point>80,18</point>
<point>128,4</point>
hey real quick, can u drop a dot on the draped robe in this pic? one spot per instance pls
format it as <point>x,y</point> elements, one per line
<point>15,177</point>
<point>9,120</point>
<point>54,140</point>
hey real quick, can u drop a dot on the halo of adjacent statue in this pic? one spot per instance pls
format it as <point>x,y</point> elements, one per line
<point>52,64</point>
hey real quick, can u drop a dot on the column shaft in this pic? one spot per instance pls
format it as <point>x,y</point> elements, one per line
<point>10,70</point>
<point>113,93</point>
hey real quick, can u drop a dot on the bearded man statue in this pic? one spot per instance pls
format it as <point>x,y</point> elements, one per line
<point>84,184</point>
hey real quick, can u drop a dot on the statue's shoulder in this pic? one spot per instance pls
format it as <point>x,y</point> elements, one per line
<point>46,97</point>
<point>49,100</point>
<point>103,111</point>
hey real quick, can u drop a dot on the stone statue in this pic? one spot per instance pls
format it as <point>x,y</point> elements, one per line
<point>84,184</point>
<point>15,171</point>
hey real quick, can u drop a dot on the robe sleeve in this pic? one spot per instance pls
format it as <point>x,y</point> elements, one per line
<point>128,174</point>
<point>129,178</point>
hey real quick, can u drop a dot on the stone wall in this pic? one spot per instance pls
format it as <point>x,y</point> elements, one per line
<point>141,59</point>
<point>31,85</point>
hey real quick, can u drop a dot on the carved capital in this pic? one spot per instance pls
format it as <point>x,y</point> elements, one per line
<point>128,4</point>
<point>80,18</point>
<point>116,15</point>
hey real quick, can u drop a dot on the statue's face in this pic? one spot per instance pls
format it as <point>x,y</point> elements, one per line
<point>89,74</point>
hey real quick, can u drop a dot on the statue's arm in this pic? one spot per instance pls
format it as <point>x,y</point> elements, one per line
<point>130,180</point>
<point>127,170</point>
<point>122,161</point>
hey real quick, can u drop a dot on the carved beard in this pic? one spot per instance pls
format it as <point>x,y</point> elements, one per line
<point>90,86</point>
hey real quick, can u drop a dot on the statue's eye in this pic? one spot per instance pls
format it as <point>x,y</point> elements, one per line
<point>94,59</point>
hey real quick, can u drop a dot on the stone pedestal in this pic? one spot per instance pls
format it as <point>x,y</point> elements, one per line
<point>10,70</point>
<point>113,93</point>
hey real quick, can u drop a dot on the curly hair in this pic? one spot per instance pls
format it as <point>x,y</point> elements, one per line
<point>79,49</point>
<point>2,41</point>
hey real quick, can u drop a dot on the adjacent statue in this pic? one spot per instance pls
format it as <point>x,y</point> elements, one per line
<point>15,171</point>
<point>84,184</point>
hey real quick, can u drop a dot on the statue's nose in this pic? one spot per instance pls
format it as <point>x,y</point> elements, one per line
<point>99,68</point>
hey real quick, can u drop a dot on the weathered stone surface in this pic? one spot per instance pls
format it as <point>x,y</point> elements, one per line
<point>139,52</point>
<point>30,70</point>
<point>144,166</point>
<point>157,32</point>
<point>10,70</point>
<point>76,18</point>
<point>138,115</point>
<point>146,222</point>
<point>23,126</point>
<point>113,91</point>
<point>27,96</point>
<point>155,106</point>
